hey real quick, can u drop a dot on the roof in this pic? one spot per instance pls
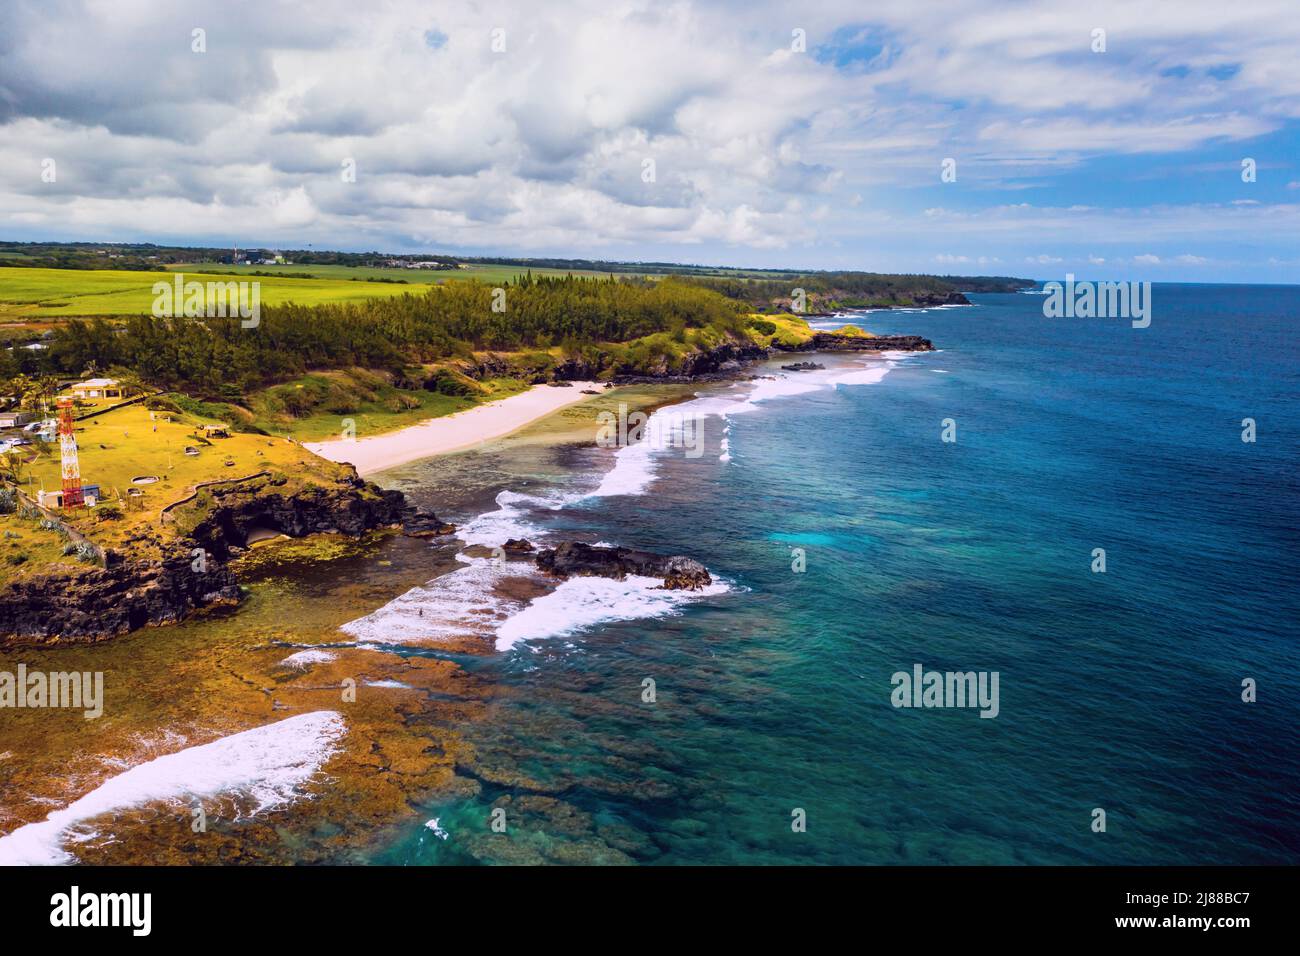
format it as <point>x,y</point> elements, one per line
<point>96,383</point>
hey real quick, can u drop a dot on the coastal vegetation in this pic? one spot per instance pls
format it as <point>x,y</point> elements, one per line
<point>219,359</point>
<point>831,291</point>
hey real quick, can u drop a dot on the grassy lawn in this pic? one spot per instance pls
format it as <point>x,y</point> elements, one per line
<point>132,442</point>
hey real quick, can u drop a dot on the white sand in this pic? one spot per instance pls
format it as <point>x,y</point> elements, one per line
<point>437,436</point>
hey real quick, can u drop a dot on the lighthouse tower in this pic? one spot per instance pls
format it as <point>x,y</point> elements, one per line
<point>72,496</point>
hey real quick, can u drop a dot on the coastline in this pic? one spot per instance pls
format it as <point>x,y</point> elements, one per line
<point>461,430</point>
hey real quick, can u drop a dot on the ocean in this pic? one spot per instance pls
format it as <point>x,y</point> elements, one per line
<point>755,722</point>
<point>850,542</point>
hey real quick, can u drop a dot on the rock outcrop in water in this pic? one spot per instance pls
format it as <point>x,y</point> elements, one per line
<point>570,559</point>
<point>834,342</point>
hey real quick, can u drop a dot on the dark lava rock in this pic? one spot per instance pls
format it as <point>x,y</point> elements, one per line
<point>572,558</point>
<point>129,592</point>
<point>518,546</point>
<point>803,367</point>
<point>425,524</point>
<point>833,342</point>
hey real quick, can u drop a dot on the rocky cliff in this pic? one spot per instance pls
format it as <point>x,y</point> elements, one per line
<point>133,591</point>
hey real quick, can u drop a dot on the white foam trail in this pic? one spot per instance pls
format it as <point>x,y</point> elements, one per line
<point>866,376</point>
<point>494,528</point>
<point>632,473</point>
<point>266,764</point>
<point>582,602</point>
<point>635,467</point>
<point>460,603</point>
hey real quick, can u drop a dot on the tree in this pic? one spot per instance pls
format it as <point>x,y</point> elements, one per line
<point>39,392</point>
<point>130,382</point>
<point>12,466</point>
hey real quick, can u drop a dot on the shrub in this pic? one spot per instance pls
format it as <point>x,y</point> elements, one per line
<point>446,382</point>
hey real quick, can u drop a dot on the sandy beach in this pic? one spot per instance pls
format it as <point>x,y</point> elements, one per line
<point>438,436</point>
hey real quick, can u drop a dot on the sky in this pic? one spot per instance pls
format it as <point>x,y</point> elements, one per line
<point>761,134</point>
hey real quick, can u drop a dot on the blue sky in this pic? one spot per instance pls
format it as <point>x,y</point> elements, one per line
<point>762,134</point>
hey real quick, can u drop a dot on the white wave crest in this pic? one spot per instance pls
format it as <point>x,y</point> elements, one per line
<point>266,765</point>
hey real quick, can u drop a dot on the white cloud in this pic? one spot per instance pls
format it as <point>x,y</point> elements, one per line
<point>541,148</point>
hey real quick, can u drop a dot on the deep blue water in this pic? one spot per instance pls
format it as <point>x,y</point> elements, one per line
<point>1118,690</point>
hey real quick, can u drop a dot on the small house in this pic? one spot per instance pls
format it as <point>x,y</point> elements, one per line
<point>97,388</point>
<point>13,419</point>
<point>53,500</point>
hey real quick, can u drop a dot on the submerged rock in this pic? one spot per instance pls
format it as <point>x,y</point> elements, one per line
<point>572,558</point>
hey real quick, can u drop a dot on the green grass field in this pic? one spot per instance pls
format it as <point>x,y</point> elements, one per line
<point>52,293</point>
<point>36,294</point>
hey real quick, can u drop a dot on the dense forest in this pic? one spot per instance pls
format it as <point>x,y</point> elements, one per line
<point>218,358</point>
<point>832,290</point>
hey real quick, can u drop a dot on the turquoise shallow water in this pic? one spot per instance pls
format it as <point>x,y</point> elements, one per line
<point>1118,691</point>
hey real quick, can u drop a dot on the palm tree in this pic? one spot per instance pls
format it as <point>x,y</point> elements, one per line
<point>39,391</point>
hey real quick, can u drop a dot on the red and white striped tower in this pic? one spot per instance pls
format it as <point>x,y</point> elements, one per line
<point>72,496</point>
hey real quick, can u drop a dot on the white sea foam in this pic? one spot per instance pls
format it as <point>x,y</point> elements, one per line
<point>635,466</point>
<point>265,765</point>
<point>632,473</point>
<point>583,602</point>
<point>460,603</point>
<point>437,829</point>
<point>493,528</point>
<point>866,376</point>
